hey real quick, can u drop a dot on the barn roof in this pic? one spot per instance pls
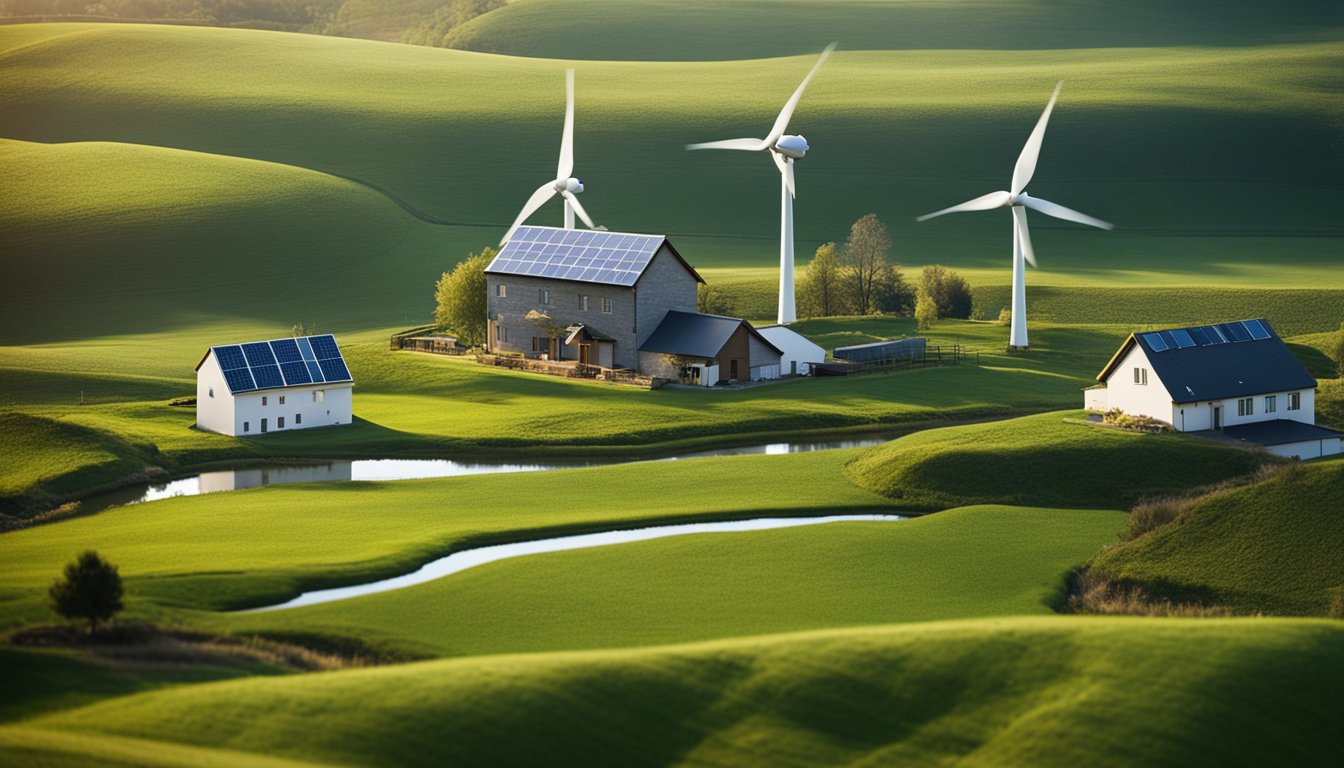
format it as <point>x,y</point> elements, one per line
<point>1213,362</point>
<point>1278,432</point>
<point>696,335</point>
<point>586,256</point>
<point>301,361</point>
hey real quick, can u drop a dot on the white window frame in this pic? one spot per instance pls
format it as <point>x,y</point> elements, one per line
<point>502,290</point>
<point>1271,403</point>
<point>1141,377</point>
<point>606,305</point>
<point>1246,406</point>
<point>282,399</point>
<point>1294,401</point>
<point>583,303</point>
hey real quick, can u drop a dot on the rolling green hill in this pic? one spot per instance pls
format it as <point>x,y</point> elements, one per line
<point>1168,143</point>
<point>1002,692</point>
<point>1272,547</point>
<point>676,30</point>
<point>1041,460</point>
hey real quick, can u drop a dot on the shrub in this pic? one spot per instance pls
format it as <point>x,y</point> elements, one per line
<point>90,589</point>
<point>1005,316</point>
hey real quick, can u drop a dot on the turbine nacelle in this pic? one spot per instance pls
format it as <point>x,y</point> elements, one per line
<point>791,146</point>
<point>571,185</point>
<point>1019,199</point>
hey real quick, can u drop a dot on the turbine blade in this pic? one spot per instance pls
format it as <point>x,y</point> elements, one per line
<point>1068,214</point>
<point>574,201</point>
<point>981,203</point>
<point>785,170</point>
<point>566,167</point>
<point>1024,234</point>
<point>538,198</point>
<point>1026,162</point>
<point>782,122</point>
<point>747,145</point>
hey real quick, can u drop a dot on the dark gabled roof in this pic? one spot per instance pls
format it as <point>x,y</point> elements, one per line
<point>1278,432</point>
<point>294,362</point>
<point>1214,362</point>
<point>696,335</point>
<point>586,256</point>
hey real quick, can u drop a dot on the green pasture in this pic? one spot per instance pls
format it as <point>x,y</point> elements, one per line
<point>1008,691</point>
<point>1175,145</point>
<point>1272,547</point>
<point>1051,459</point>
<point>961,563</point>
<point>675,30</point>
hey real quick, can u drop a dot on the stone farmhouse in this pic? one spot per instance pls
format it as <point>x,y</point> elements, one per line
<point>1238,379</point>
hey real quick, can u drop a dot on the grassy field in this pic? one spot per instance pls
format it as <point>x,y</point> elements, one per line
<point>1268,548</point>
<point>1003,692</point>
<point>741,29</point>
<point>1041,460</point>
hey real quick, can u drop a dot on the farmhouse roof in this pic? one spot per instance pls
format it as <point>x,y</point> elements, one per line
<point>1278,432</point>
<point>280,363</point>
<point>696,335</point>
<point>1214,362</point>
<point>586,256</point>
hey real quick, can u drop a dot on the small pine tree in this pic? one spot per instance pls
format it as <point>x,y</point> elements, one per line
<point>90,589</point>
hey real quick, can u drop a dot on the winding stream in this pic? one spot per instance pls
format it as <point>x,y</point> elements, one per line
<point>470,558</point>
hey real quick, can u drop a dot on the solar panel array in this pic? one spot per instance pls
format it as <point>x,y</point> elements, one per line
<point>614,258</point>
<point>1208,335</point>
<point>282,363</point>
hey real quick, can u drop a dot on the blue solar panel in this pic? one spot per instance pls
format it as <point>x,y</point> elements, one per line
<point>1155,341</point>
<point>239,380</point>
<point>1215,334</point>
<point>267,376</point>
<point>324,346</point>
<point>613,258</point>
<point>296,373</point>
<point>306,349</point>
<point>286,350</point>
<point>314,370</point>
<point>1201,336</point>
<point>1182,338</point>
<point>333,369</point>
<point>258,353</point>
<point>1236,331</point>
<point>1257,329</point>
<point>230,357</point>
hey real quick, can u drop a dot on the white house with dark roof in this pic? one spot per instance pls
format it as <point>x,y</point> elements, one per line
<point>269,386</point>
<point>584,295</point>
<point>708,349</point>
<point>1236,378</point>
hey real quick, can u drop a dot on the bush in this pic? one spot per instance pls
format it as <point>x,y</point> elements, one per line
<point>949,292</point>
<point>90,589</point>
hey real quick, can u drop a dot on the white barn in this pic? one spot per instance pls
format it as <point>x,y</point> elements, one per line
<point>798,352</point>
<point>1236,378</point>
<point>270,386</point>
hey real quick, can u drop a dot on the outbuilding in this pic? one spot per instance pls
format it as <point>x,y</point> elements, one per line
<point>797,352</point>
<point>705,350</point>
<point>268,386</point>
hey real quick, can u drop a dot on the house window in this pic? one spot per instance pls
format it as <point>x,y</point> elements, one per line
<point>212,391</point>
<point>583,303</point>
<point>298,419</point>
<point>501,333</point>
<point>1246,406</point>
<point>502,290</point>
<point>263,399</point>
<point>544,295</point>
<point>247,426</point>
<point>280,423</point>
<point>606,304</point>
<point>282,399</point>
<point>1141,376</point>
<point>319,395</point>
<point>1294,401</point>
<point>541,343</point>
<point>1271,403</point>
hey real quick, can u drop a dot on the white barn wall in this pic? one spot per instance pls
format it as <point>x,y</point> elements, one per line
<point>1306,414</point>
<point>336,408</point>
<point>796,347</point>
<point>214,403</point>
<point>1151,399</point>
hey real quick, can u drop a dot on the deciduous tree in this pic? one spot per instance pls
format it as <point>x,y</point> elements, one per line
<point>950,293</point>
<point>90,589</point>
<point>460,298</point>
<point>821,291</point>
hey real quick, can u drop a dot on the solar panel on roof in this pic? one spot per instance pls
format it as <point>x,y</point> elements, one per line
<point>267,376</point>
<point>306,349</point>
<point>1155,341</point>
<point>296,373</point>
<point>333,369</point>
<point>314,370</point>
<point>1201,336</point>
<point>286,350</point>
<point>1215,335</point>
<point>603,257</point>
<point>300,361</point>
<point>1182,338</point>
<point>1257,329</point>
<point>230,357</point>
<point>1236,331</point>
<point>239,380</point>
<point>324,346</point>
<point>258,353</point>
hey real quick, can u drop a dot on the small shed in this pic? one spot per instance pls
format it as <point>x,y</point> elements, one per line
<point>708,349</point>
<point>798,353</point>
<point>270,386</point>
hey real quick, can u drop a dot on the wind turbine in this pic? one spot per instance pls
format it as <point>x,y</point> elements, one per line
<point>564,184</point>
<point>1017,199</point>
<point>785,149</point>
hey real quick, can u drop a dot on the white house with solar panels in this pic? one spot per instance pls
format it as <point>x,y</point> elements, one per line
<point>273,386</point>
<point>1237,379</point>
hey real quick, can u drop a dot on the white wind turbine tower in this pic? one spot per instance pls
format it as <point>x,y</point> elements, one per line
<point>564,184</point>
<point>1017,199</point>
<point>784,149</point>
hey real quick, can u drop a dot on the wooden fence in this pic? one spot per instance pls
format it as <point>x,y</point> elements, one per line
<point>934,354</point>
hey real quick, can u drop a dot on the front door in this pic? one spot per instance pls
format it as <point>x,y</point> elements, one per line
<point>584,350</point>
<point>263,425</point>
<point>1217,417</point>
<point>732,369</point>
